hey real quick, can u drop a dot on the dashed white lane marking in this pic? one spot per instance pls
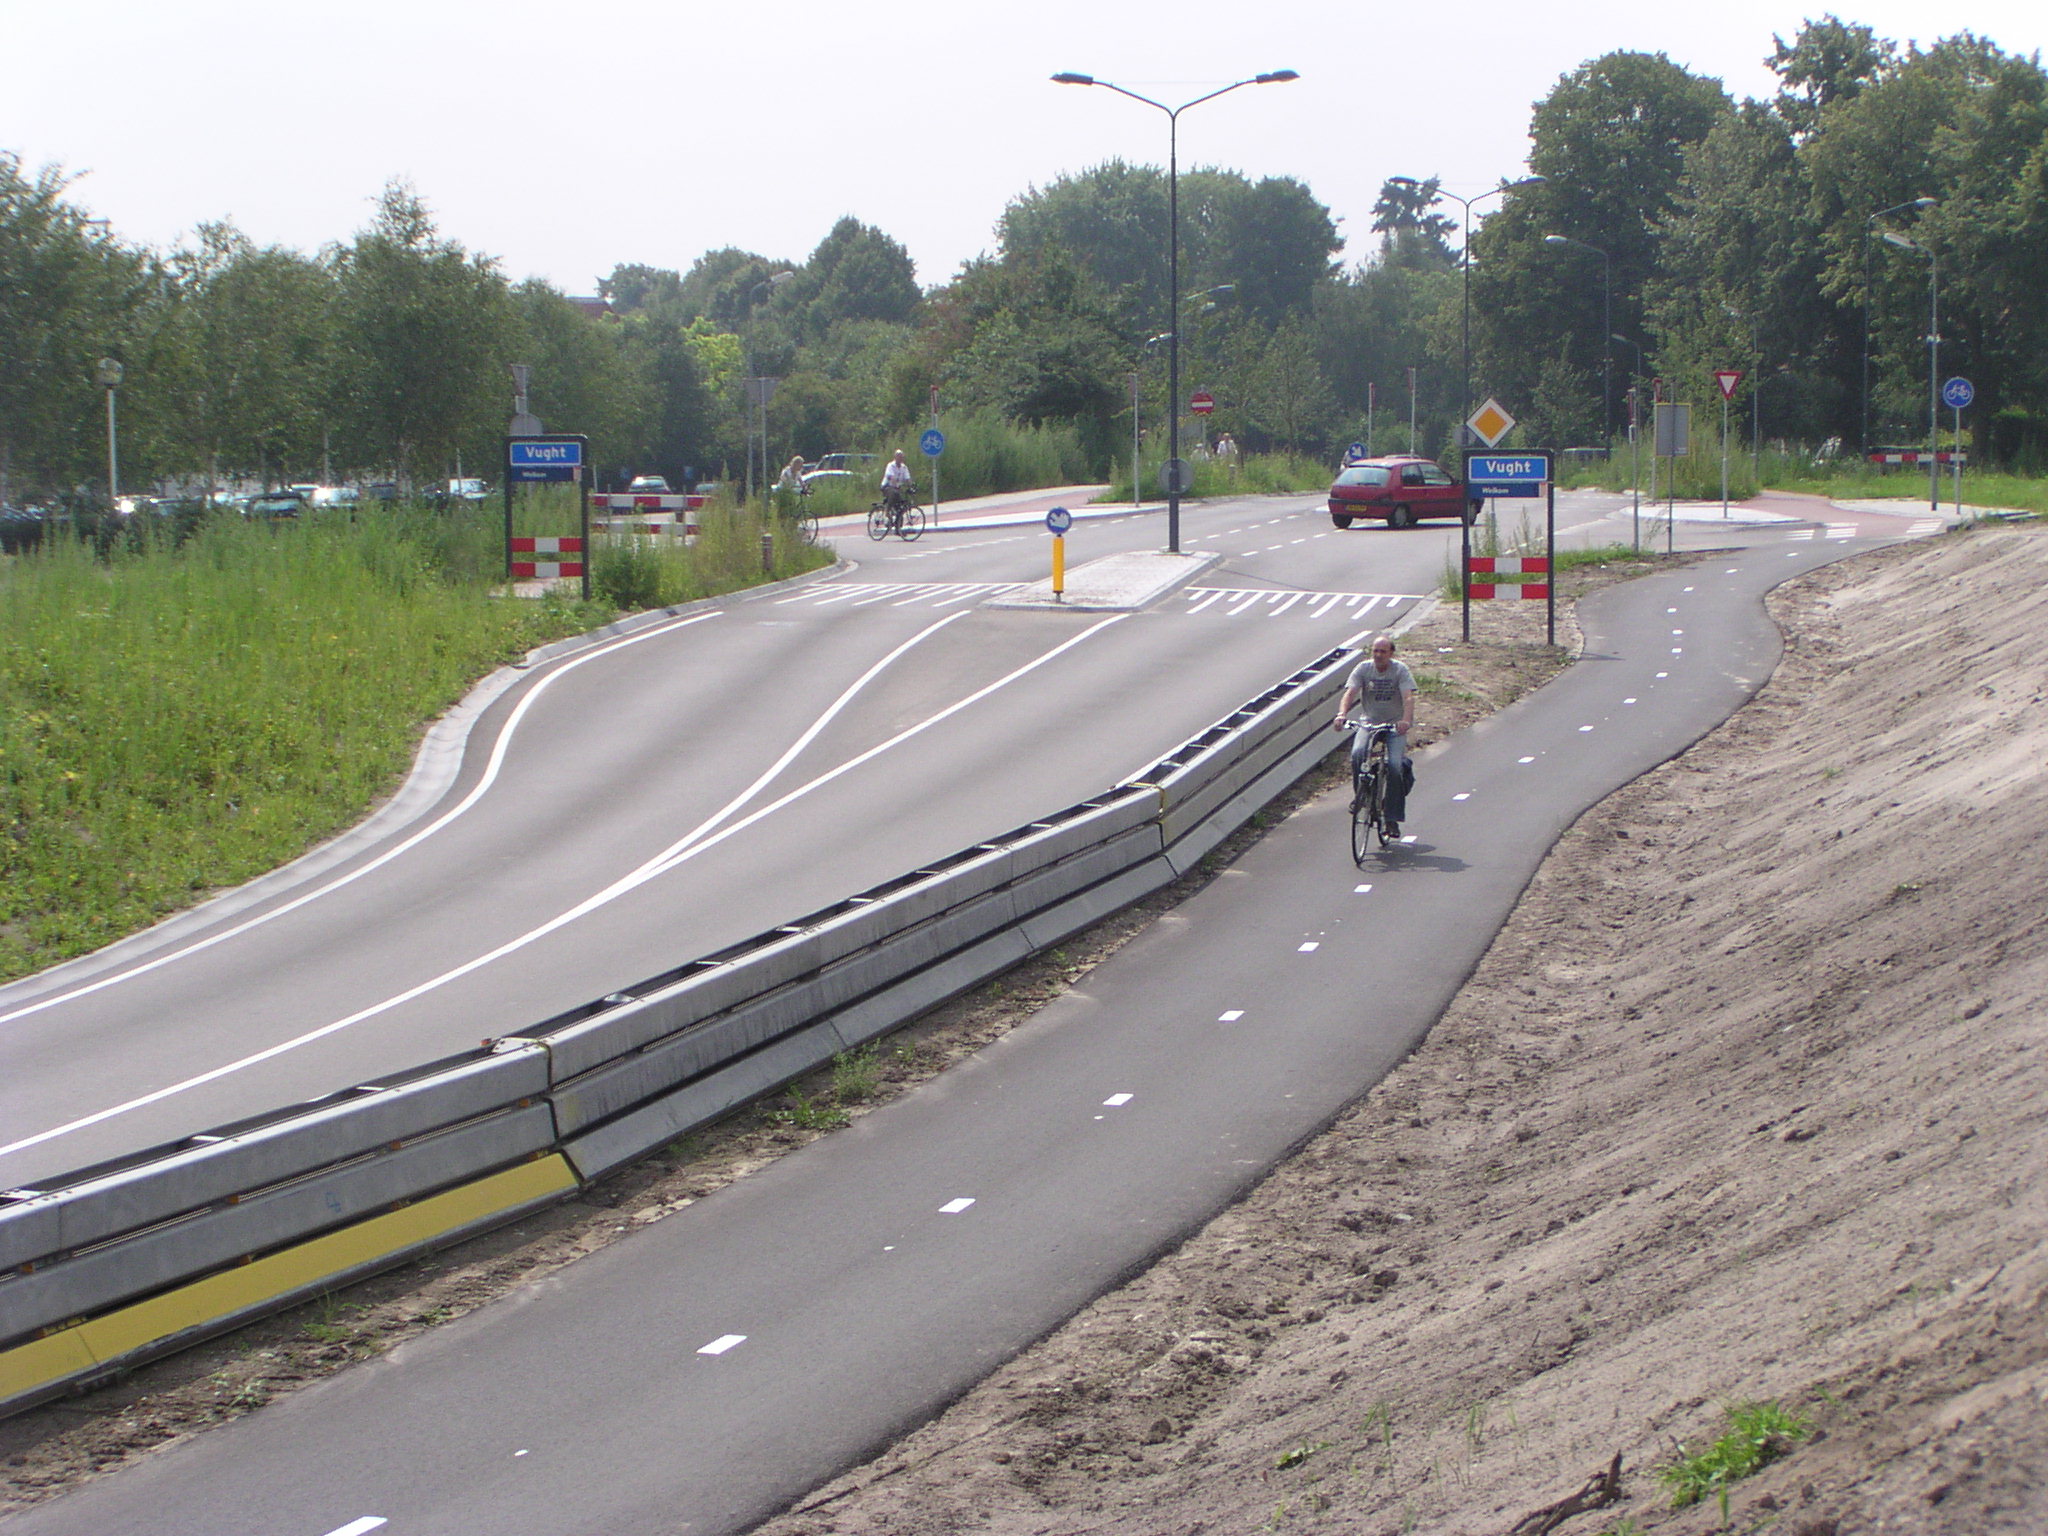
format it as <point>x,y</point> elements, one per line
<point>1685,589</point>
<point>1525,760</point>
<point>1628,701</point>
<point>1678,632</point>
<point>1231,1016</point>
<point>955,1207</point>
<point>358,1527</point>
<point>1585,728</point>
<point>1360,890</point>
<point>721,1344</point>
<point>1663,674</point>
<point>1309,948</point>
<point>517,1454</point>
<point>1463,794</point>
<point>1678,650</point>
<point>1117,1100</point>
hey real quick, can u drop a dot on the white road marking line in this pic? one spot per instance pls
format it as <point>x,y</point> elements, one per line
<point>1117,1100</point>
<point>1230,1016</point>
<point>490,776</point>
<point>1291,601</point>
<point>720,1345</point>
<point>1525,759</point>
<point>1678,632</point>
<point>517,1454</point>
<point>688,847</point>
<point>1628,701</point>
<point>955,1207</point>
<point>358,1527</point>
<point>1360,890</point>
<point>1215,595</point>
<point>1309,948</point>
<point>1249,600</point>
<point>1685,589</point>
<point>1678,650</point>
<point>1663,674</point>
<point>1584,728</point>
<point>1463,794</point>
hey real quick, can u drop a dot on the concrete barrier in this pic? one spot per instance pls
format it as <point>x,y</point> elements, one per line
<point>115,1264</point>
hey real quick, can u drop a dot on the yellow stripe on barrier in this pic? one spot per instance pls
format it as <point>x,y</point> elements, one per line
<point>73,1351</point>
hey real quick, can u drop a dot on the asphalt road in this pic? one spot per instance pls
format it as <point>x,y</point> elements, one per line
<point>711,1368</point>
<point>639,802</point>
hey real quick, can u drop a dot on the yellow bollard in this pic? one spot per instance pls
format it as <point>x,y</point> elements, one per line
<point>1059,567</point>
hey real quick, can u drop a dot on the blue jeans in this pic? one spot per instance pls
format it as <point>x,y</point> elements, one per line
<point>1398,770</point>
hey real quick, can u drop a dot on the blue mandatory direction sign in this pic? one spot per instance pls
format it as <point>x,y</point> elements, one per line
<point>528,459</point>
<point>1506,474</point>
<point>1957,393</point>
<point>933,442</point>
<point>1059,520</point>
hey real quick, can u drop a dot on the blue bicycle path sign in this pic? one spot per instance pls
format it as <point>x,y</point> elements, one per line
<point>933,443</point>
<point>1957,393</point>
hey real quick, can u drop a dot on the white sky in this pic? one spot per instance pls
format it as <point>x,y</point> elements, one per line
<point>564,139</point>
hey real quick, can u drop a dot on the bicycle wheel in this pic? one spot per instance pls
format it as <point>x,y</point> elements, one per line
<point>1366,802</point>
<point>809,524</point>
<point>878,523</point>
<point>913,523</point>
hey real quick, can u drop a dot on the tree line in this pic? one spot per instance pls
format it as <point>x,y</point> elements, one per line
<point>1664,230</point>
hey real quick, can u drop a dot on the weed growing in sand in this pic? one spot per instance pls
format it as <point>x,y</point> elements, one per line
<point>1475,1428</point>
<point>809,1114</point>
<point>1758,1434</point>
<point>1300,1454</point>
<point>856,1075</point>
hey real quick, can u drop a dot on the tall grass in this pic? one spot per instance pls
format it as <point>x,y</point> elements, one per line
<point>634,573</point>
<point>176,720</point>
<point>1253,474</point>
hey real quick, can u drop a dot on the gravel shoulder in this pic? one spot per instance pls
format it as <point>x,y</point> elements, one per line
<point>1743,1104</point>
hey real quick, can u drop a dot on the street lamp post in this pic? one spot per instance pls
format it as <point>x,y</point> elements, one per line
<point>1922,204</point>
<point>1635,442</point>
<point>1933,363</point>
<point>1173,263</point>
<point>758,397</point>
<point>1606,329</point>
<point>108,375</point>
<point>1465,276</point>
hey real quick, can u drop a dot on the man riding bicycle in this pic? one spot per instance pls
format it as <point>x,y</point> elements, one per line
<point>1386,689</point>
<point>897,487</point>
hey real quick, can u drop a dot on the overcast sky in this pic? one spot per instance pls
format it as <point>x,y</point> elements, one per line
<point>564,139</point>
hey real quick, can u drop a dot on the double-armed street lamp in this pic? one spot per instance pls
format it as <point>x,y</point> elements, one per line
<point>1276,77</point>
<point>757,392</point>
<point>1933,361</point>
<point>1920,205</point>
<point>1606,329</point>
<point>1465,274</point>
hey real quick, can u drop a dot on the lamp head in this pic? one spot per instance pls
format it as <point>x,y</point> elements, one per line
<point>1893,237</point>
<point>1557,240</point>
<point>1275,78</point>
<point>1527,181</point>
<point>1923,202</point>
<point>1403,181</point>
<point>1067,77</point>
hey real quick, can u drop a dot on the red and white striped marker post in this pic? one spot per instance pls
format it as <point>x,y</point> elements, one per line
<point>546,570</point>
<point>1507,565</point>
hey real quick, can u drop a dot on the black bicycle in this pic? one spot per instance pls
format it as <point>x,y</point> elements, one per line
<point>1369,770</point>
<point>895,514</point>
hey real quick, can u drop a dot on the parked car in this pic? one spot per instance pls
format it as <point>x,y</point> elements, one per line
<point>649,485</point>
<point>381,490</point>
<point>842,466</point>
<point>285,503</point>
<point>333,498</point>
<point>20,528</point>
<point>467,488</point>
<point>1400,490</point>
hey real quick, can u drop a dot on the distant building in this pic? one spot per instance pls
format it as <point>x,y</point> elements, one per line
<point>593,306</point>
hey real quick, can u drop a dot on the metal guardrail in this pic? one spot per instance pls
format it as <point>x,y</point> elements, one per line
<point>112,1265</point>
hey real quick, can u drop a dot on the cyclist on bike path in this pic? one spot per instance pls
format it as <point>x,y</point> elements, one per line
<point>896,482</point>
<point>1387,689</point>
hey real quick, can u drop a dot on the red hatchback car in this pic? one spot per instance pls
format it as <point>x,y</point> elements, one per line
<point>1398,490</point>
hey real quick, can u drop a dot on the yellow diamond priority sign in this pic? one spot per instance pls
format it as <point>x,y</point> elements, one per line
<point>1491,422</point>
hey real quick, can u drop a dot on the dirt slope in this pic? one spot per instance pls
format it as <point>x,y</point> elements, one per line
<point>1748,1102</point>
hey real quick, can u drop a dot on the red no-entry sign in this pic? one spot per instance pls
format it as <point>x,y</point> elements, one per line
<point>1203,403</point>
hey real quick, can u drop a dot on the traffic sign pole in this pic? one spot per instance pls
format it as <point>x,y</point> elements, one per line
<point>1958,392</point>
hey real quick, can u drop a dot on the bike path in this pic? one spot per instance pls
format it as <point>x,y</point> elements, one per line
<point>707,1371</point>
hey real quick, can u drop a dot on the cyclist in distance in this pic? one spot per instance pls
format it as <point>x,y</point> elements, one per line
<point>896,484</point>
<point>1386,689</point>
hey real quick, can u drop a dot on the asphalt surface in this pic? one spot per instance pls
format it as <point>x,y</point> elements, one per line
<point>710,1369</point>
<point>633,804</point>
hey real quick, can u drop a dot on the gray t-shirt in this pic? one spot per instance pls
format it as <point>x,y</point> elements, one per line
<point>1379,693</point>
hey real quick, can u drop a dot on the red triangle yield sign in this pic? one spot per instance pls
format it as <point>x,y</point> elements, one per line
<point>1727,378</point>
